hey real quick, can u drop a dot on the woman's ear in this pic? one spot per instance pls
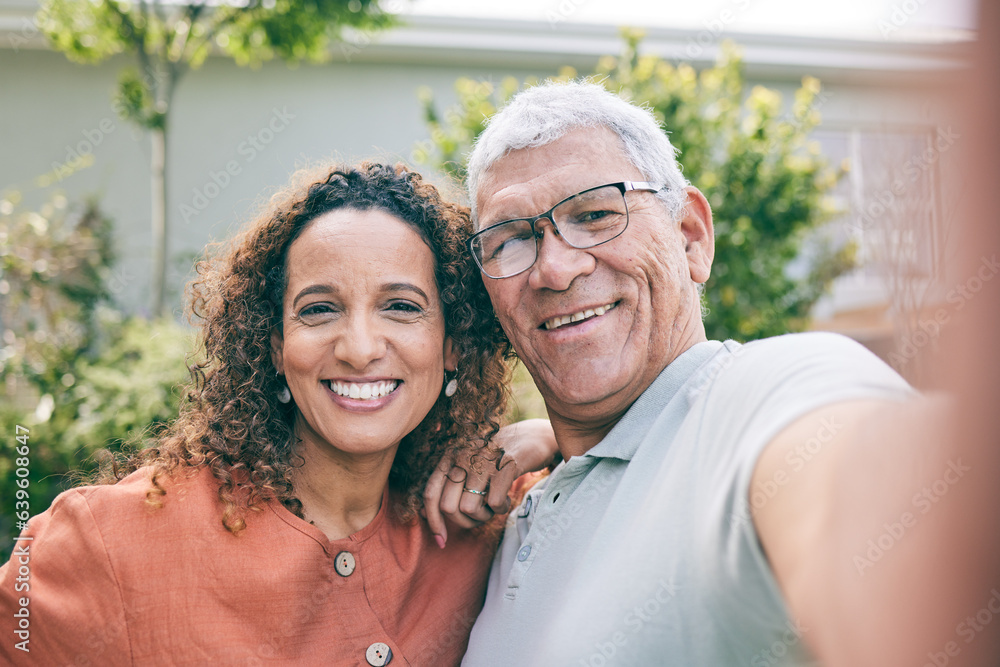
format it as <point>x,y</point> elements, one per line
<point>277,346</point>
<point>450,356</point>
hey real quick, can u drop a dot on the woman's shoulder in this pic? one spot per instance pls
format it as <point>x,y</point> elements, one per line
<point>129,530</point>
<point>131,502</point>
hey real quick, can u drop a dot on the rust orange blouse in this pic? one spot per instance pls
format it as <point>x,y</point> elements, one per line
<point>116,582</point>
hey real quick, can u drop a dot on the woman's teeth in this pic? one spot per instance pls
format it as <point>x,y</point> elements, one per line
<point>577,317</point>
<point>363,390</point>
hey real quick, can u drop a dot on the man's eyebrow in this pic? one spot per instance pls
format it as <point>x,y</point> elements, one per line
<point>313,289</point>
<point>497,219</point>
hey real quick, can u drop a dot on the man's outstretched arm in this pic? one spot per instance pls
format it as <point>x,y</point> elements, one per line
<point>874,543</point>
<point>888,549</point>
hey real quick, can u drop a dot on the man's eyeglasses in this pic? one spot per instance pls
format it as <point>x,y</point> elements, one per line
<point>585,220</point>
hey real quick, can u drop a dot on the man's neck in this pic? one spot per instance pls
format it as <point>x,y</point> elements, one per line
<point>579,428</point>
<point>577,438</point>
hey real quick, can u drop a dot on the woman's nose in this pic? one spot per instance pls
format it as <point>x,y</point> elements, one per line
<point>360,343</point>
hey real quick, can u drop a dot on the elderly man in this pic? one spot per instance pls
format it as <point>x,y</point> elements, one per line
<point>718,503</point>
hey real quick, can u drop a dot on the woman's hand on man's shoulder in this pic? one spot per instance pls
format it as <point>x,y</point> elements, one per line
<point>469,495</point>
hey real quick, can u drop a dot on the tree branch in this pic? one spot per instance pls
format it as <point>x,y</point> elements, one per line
<point>225,17</point>
<point>193,12</point>
<point>137,36</point>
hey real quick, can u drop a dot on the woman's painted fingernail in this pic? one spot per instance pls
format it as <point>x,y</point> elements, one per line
<point>439,540</point>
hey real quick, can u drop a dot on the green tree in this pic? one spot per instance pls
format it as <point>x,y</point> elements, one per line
<point>766,182</point>
<point>75,374</point>
<point>169,38</point>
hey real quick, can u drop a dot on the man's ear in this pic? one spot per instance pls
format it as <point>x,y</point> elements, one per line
<point>277,347</point>
<point>450,356</point>
<point>696,226</point>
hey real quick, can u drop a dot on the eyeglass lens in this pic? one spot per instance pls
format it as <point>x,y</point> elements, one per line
<point>583,221</point>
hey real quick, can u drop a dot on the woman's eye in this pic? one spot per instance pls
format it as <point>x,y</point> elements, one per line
<point>315,310</point>
<point>404,307</point>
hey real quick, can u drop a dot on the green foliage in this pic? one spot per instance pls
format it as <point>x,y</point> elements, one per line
<point>250,32</point>
<point>765,180</point>
<point>295,31</point>
<point>168,38</point>
<point>73,371</point>
<point>135,101</point>
<point>54,264</point>
<point>452,136</point>
<point>86,32</point>
<point>130,382</point>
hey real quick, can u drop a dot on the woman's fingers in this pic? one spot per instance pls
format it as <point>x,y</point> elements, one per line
<point>473,502</point>
<point>456,492</point>
<point>453,500</point>
<point>451,492</point>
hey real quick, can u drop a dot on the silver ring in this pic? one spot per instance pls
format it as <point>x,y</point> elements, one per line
<point>478,493</point>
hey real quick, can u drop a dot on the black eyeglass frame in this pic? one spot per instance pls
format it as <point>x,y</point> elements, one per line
<point>623,187</point>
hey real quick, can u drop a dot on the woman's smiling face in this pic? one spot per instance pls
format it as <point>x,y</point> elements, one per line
<point>362,346</point>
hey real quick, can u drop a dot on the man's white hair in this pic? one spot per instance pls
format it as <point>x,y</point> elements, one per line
<point>541,114</point>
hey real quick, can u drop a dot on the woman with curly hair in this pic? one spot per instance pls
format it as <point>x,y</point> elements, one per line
<point>349,347</point>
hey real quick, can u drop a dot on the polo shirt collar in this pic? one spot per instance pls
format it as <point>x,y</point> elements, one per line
<point>624,438</point>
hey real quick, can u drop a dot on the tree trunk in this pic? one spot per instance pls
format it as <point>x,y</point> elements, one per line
<point>159,219</point>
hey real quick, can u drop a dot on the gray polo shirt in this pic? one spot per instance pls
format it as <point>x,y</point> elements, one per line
<point>643,550</point>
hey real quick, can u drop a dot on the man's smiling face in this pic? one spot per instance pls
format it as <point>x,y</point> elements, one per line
<point>644,282</point>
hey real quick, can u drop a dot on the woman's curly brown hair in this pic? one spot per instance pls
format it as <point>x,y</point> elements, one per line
<point>232,422</point>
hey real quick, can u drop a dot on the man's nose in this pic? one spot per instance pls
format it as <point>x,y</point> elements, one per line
<point>558,263</point>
